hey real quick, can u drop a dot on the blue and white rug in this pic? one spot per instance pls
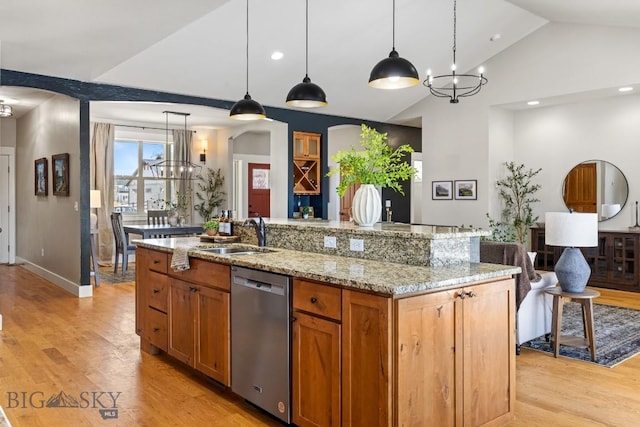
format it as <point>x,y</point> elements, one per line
<point>617,331</point>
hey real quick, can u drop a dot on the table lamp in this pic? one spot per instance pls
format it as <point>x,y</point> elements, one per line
<point>95,202</point>
<point>571,230</point>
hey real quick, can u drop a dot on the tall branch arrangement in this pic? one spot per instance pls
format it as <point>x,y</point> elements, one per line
<point>210,195</point>
<point>517,193</point>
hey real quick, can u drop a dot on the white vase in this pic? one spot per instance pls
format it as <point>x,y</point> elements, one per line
<point>366,206</point>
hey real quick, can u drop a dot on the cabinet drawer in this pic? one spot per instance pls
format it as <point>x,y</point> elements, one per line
<point>155,328</point>
<point>158,261</point>
<point>206,273</point>
<point>317,298</point>
<point>156,290</point>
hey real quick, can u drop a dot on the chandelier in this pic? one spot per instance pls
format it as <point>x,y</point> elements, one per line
<point>454,86</point>
<point>176,168</point>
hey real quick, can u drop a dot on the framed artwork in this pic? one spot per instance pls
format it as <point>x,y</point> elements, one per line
<point>40,174</point>
<point>441,190</point>
<point>466,190</point>
<point>60,167</point>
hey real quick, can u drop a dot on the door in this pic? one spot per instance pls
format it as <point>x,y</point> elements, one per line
<point>4,209</point>
<point>580,188</point>
<point>182,320</point>
<point>316,371</point>
<point>346,201</point>
<point>212,352</point>
<point>259,193</point>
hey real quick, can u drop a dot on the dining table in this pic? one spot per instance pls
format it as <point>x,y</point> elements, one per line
<point>148,231</point>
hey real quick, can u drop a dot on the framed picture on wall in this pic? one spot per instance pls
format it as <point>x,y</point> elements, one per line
<point>40,174</point>
<point>60,167</point>
<point>466,190</point>
<point>441,190</point>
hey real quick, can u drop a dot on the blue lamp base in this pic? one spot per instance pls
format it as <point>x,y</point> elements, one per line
<point>572,270</point>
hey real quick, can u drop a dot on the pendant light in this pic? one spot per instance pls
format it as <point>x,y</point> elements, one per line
<point>306,94</point>
<point>5,110</point>
<point>455,86</point>
<point>393,72</point>
<point>247,108</point>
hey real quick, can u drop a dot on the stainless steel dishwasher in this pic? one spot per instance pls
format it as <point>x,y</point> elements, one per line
<point>260,339</point>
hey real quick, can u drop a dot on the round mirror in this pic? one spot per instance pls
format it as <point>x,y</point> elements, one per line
<point>596,186</point>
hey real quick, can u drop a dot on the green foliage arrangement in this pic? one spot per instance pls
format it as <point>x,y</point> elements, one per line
<point>210,195</point>
<point>181,203</point>
<point>377,164</point>
<point>212,224</point>
<point>517,193</point>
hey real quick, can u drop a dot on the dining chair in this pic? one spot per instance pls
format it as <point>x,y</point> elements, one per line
<point>122,245</point>
<point>157,217</point>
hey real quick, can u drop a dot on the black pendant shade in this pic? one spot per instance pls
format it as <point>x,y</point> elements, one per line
<point>393,72</point>
<point>306,95</point>
<point>247,109</point>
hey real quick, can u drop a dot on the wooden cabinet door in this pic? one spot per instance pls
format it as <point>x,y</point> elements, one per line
<point>489,353</point>
<point>306,145</point>
<point>366,360</point>
<point>212,338</point>
<point>142,261</point>
<point>182,320</point>
<point>429,364</point>
<point>316,371</point>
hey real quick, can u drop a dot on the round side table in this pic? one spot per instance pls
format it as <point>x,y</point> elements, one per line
<point>585,298</point>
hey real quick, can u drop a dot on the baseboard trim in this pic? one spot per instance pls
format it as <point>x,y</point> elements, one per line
<point>56,279</point>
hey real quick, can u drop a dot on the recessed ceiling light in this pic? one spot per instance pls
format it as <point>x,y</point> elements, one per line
<point>625,89</point>
<point>533,102</point>
<point>277,55</point>
<point>495,37</point>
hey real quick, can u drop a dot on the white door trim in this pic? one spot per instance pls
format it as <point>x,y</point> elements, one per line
<point>11,153</point>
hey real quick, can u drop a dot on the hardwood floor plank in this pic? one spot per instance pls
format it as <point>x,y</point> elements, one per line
<point>52,341</point>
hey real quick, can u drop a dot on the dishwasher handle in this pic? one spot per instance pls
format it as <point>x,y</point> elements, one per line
<point>259,286</point>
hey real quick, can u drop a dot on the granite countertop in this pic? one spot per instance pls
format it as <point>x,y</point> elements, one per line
<point>376,276</point>
<point>397,229</point>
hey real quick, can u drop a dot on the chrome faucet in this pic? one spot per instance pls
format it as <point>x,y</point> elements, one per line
<point>261,232</point>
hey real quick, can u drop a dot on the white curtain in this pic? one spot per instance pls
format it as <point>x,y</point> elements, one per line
<point>101,153</point>
<point>182,153</point>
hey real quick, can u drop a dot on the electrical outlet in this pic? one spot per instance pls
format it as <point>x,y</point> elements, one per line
<point>42,251</point>
<point>329,241</point>
<point>356,245</point>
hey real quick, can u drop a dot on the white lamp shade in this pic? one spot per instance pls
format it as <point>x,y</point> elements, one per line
<point>571,229</point>
<point>95,199</point>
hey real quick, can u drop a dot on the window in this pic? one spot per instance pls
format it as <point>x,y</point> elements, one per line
<point>136,189</point>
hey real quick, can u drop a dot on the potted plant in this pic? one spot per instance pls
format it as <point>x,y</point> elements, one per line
<point>517,194</point>
<point>378,165</point>
<point>305,212</point>
<point>210,194</point>
<point>211,227</point>
<point>178,209</point>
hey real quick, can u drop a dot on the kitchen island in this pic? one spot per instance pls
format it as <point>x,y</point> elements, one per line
<point>373,342</point>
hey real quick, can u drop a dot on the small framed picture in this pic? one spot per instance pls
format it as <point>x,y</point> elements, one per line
<point>40,174</point>
<point>441,190</point>
<point>60,168</point>
<point>466,190</point>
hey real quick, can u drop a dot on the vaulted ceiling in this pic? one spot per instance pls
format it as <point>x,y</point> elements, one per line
<point>198,47</point>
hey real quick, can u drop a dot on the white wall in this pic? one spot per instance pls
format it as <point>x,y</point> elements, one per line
<point>47,224</point>
<point>470,140</point>
<point>7,132</point>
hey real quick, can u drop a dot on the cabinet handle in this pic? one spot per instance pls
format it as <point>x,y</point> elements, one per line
<point>156,261</point>
<point>156,329</point>
<point>156,291</point>
<point>294,318</point>
<point>192,289</point>
<point>314,300</point>
<point>460,295</point>
<point>471,294</point>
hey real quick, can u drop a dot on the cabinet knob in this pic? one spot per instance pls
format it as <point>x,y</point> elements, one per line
<point>460,295</point>
<point>156,329</point>
<point>156,291</point>
<point>471,294</point>
<point>156,261</point>
<point>314,300</point>
<point>192,289</point>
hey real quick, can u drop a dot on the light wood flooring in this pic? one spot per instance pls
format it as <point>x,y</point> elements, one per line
<point>52,341</point>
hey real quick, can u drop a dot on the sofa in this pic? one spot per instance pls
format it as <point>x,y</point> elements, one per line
<point>533,305</point>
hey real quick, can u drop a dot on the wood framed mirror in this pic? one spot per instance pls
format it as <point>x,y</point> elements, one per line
<point>596,186</point>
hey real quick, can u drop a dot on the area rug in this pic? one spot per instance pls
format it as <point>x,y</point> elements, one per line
<point>617,331</point>
<point>107,275</point>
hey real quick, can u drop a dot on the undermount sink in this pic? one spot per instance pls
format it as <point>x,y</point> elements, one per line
<point>236,250</point>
